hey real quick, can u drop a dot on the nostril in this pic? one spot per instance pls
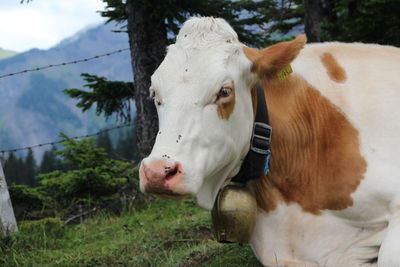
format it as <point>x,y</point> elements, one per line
<point>171,173</point>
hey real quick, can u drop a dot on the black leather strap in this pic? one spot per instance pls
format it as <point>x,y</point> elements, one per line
<point>262,108</point>
<point>254,163</point>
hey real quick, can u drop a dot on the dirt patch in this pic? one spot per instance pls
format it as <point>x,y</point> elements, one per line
<point>196,235</point>
<point>196,259</point>
<point>205,233</point>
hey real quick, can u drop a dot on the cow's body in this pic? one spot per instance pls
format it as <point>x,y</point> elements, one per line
<point>332,196</point>
<point>369,98</point>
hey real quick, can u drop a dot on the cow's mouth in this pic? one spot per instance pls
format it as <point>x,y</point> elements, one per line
<point>159,189</point>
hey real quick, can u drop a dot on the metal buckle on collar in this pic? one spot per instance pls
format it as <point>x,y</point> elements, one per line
<point>261,138</point>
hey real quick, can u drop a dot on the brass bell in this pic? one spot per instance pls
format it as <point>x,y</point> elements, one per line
<point>234,214</point>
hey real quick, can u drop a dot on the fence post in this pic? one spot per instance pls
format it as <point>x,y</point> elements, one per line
<point>8,224</point>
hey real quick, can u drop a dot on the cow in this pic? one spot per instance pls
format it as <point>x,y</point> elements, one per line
<point>332,196</point>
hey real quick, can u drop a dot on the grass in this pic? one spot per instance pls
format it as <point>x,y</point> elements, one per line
<point>165,233</point>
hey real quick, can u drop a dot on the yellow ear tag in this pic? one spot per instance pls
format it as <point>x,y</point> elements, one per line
<point>285,72</point>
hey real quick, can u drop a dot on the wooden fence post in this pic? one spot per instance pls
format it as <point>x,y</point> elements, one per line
<point>8,224</point>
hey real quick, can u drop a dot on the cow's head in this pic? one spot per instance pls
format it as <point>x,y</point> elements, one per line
<point>202,91</point>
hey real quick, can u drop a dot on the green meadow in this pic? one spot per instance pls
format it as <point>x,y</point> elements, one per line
<point>160,233</point>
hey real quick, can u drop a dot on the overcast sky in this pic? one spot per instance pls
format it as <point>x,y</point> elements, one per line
<point>44,23</point>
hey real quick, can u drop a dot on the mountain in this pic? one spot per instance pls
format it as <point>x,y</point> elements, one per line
<point>33,108</point>
<point>6,53</point>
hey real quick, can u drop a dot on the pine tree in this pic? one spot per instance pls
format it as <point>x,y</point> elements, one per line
<point>104,141</point>
<point>30,169</point>
<point>369,21</point>
<point>50,162</point>
<point>9,168</point>
<point>109,97</point>
<point>20,171</point>
<point>126,148</point>
<point>13,169</point>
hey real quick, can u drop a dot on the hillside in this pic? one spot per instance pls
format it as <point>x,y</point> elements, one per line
<point>6,53</point>
<point>164,233</point>
<point>33,108</point>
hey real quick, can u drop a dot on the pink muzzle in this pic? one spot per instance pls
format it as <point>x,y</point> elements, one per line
<point>161,177</point>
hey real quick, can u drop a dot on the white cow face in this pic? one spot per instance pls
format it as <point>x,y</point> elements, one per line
<point>202,91</point>
<point>205,113</point>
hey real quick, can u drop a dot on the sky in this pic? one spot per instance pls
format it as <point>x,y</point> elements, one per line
<point>44,23</point>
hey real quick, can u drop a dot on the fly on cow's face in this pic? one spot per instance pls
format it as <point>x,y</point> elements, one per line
<point>152,94</point>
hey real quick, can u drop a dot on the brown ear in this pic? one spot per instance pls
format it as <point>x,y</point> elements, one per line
<point>268,62</point>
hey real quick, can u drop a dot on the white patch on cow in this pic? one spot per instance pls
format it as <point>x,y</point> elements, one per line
<point>203,33</point>
<point>390,249</point>
<point>288,234</point>
<point>206,56</point>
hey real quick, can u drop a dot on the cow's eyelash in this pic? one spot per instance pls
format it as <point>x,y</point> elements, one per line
<point>224,93</point>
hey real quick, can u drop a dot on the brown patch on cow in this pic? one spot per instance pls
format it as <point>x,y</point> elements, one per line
<point>225,109</point>
<point>267,195</point>
<point>268,62</point>
<point>316,160</point>
<point>254,99</point>
<point>334,70</point>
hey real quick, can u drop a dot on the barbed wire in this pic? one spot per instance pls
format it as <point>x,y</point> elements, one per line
<point>63,64</point>
<point>64,139</point>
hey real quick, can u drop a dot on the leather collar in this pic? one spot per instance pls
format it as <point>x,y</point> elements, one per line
<point>256,162</point>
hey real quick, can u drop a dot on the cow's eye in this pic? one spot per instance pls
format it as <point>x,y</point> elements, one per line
<point>224,92</point>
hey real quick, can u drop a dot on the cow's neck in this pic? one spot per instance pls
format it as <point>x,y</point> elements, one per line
<point>315,161</point>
